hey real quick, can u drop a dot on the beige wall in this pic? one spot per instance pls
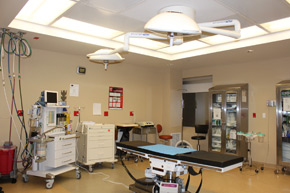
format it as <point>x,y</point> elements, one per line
<point>262,77</point>
<point>145,89</point>
<point>153,94</point>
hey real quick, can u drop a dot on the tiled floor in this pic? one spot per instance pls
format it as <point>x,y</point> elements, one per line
<point>104,179</point>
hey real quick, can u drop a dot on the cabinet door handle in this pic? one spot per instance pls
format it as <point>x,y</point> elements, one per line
<point>67,144</point>
<point>70,137</point>
<point>67,161</point>
<point>67,153</point>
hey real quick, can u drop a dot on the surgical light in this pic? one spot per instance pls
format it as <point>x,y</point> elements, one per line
<point>105,57</point>
<point>174,21</point>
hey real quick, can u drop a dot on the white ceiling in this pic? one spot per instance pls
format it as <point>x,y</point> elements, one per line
<point>131,16</point>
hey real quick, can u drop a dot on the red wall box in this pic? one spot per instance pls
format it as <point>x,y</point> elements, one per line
<point>6,160</point>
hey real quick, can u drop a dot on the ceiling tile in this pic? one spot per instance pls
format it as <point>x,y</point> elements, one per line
<point>206,10</point>
<point>95,16</point>
<point>111,6</point>
<point>259,11</point>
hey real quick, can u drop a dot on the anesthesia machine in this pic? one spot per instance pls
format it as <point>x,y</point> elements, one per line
<point>53,146</point>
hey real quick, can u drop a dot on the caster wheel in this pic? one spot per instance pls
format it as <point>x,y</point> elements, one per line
<point>13,180</point>
<point>284,169</point>
<point>113,165</point>
<point>91,169</point>
<point>25,178</point>
<point>141,160</point>
<point>241,169</point>
<point>49,183</point>
<point>136,160</point>
<point>257,171</point>
<point>78,175</point>
<point>276,171</point>
<point>262,168</point>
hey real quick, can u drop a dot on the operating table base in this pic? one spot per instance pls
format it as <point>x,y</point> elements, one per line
<point>139,188</point>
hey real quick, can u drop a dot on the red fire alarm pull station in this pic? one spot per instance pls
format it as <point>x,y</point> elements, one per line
<point>106,113</point>
<point>254,115</point>
<point>76,113</point>
<point>131,113</point>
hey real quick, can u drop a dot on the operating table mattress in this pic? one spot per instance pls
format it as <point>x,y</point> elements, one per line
<point>199,157</point>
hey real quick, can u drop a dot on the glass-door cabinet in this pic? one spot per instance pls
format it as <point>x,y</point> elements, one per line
<point>283,124</point>
<point>228,115</point>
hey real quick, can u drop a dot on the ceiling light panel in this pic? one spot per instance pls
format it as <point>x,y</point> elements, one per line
<point>43,11</point>
<point>252,31</point>
<point>277,25</point>
<point>217,39</point>
<point>144,43</point>
<point>192,45</point>
<point>288,1</point>
<point>86,28</point>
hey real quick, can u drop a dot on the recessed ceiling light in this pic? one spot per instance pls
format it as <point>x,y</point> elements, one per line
<point>192,45</point>
<point>288,1</point>
<point>217,39</point>
<point>43,11</point>
<point>277,25</point>
<point>144,43</point>
<point>252,31</point>
<point>86,28</point>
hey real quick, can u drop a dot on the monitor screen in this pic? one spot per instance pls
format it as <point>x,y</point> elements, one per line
<point>51,97</point>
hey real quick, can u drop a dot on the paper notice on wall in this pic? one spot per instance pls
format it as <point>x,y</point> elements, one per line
<point>286,104</point>
<point>97,109</point>
<point>217,114</point>
<point>74,90</point>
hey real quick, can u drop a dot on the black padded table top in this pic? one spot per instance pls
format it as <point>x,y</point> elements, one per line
<point>199,157</point>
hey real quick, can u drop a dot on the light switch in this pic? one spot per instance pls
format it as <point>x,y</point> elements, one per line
<point>264,115</point>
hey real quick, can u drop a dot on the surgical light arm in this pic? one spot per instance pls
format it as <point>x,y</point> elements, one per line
<point>129,35</point>
<point>211,27</point>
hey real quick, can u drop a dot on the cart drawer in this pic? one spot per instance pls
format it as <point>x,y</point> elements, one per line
<point>100,143</point>
<point>100,153</point>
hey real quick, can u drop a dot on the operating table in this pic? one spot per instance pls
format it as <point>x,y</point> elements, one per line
<point>167,163</point>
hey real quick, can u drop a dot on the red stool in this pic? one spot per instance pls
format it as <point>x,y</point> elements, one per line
<point>165,138</point>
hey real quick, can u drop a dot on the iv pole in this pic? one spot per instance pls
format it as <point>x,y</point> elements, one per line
<point>182,143</point>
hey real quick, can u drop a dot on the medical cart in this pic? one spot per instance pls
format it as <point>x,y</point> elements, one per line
<point>96,144</point>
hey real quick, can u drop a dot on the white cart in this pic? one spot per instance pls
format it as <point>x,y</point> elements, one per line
<point>60,154</point>
<point>96,144</point>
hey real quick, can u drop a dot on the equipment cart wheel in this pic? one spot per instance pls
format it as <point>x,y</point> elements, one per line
<point>49,183</point>
<point>13,180</point>
<point>241,169</point>
<point>257,170</point>
<point>78,174</point>
<point>91,169</point>
<point>113,165</point>
<point>276,171</point>
<point>25,178</point>
<point>262,168</point>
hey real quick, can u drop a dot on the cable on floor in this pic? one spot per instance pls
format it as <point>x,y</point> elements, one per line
<point>105,179</point>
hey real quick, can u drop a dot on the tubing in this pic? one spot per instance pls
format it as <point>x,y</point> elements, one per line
<point>17,46</point>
